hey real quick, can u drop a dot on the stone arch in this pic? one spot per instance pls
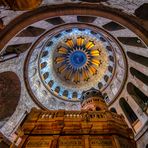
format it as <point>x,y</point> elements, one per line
<point>128,111</point>
<point>10,90</point>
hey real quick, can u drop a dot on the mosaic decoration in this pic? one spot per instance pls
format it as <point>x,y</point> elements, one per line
<point>78,59</point>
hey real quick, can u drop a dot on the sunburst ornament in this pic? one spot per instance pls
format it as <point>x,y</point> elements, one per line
<point>78,59</point>
<point>74,60</point>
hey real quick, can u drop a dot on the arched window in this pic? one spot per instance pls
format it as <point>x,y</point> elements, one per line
<point>74,95</point>
<point>100,85</point>
<point>131,41</point>
<point>141,12</point>
<point>142,77</point>
<point>46,75</point>
<point>65,93</point>
<point>106,98</point>
<point>113,110</point>
<point>50,83</point>
<point>131,116</point>
<point>140,98</point>
<point>57,89</point>
<point>106,78</point>
<point>138,58</point>
<point>43,65</point>
<point>113,26</point>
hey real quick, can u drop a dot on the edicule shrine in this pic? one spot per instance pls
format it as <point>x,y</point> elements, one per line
<point>92,127</point>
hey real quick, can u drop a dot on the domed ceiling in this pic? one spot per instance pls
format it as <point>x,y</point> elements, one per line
<point>59,51</point>
<point>74,58</point>
<point>73,52</point>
